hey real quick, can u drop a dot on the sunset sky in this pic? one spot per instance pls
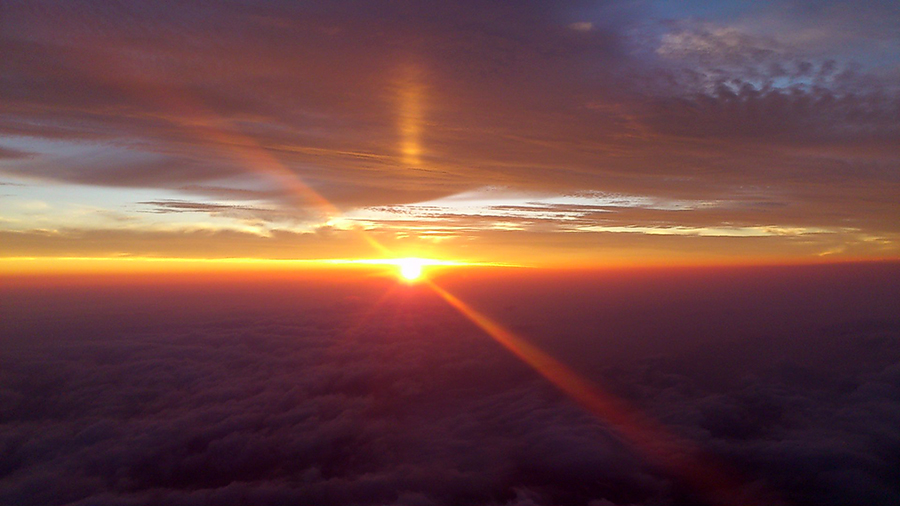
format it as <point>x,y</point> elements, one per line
<point>460,253</point>
<point>528,133</point>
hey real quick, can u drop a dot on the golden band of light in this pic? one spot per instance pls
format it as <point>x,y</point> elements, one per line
<point>80,265</point>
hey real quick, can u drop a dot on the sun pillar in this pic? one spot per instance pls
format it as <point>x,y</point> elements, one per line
<point>410,96</point>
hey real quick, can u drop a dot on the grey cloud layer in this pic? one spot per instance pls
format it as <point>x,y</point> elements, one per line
<point>298,392</point>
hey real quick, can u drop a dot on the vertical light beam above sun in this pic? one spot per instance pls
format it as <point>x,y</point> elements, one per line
<point>410,98</point>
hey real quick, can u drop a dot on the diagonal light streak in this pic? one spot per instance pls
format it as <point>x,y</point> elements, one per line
<point>659,446</point>
<point>213,130</point>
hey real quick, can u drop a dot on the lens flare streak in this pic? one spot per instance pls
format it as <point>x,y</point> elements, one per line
<point>656,444</point>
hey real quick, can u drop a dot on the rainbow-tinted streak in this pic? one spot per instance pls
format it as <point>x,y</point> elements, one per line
<point>257,159</point>
<point>210,130</point>
<point>660,447</point>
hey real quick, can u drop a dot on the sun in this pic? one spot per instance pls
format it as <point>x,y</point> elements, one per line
<point>410,268</point>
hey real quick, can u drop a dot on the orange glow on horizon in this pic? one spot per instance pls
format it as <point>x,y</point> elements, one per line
<point>409,268</point>
<point>77,265</point>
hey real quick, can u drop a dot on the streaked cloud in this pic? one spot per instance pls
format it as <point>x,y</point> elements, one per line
<point>389,115</point>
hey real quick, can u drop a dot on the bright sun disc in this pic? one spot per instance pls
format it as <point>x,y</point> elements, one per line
<point>410,269</point>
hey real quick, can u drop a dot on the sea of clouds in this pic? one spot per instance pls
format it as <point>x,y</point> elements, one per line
<point>372,394</point>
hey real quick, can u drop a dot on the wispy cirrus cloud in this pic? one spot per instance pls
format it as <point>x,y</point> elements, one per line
<point>396,106</point>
